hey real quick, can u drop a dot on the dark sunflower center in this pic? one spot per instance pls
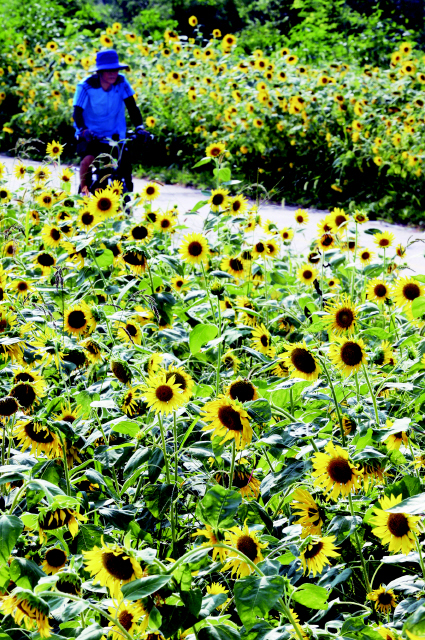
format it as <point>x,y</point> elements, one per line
<point>134,259</point>
<point>46,260</point>
<point>384,242</point>
<point>307,274</point>
<point>117,566</point>
<point>150,191</point>
<point>87,218</point>
<point>340,471</point>
<point>43,436</point>
<point>259,247</point>
<point>365,255</point>
<point>236,205</point>
<point>179,379</point>
<point>264,341</point>
<point>339,220</point>
<point>132,330</point>
<point>77,319</point>
<point>139,233</point>
<point>248,546</point>
<point>55,234</point>
<point>380,291</point>
<point>241,480</point>
<point>151,217</point>
<point>344,318</point>
<point>351,354</point>
<point>10,249</point>
<point>24,377</point>
<point>242,390</point>
<point>271,249</point>
<point>67,587</point>
<point>398,524</point>
<point>217,199</point>
<point>120,372</point>
<point>230,418</point>
<point>22,286</point>
<point>300,219</point>
<point>179,283</point>
<point>165,223</point>
<point>313,550</point>
<point>104,204</point>
<point>8,406</point>
<point>285,235</point>
<point>3,194</point>
<point>164,393</point>
<point>24,393</point>
<point>385,598</point>
<point>326,240</point>
<point>195,249</point>
<point>235,264</point>
<point>215,151</point>
<point>55,557</point>
<point>303,361</point>
<point>411,291</point>
<point>3,324</point>
<point>126,619</point>
<point>246,255</point>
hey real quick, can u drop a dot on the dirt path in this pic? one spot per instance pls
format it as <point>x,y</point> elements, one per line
<point>282,216</point>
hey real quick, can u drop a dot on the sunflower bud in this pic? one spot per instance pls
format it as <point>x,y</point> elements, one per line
<point>121,370</point>
<point>412,352</point>
<point>217,288</point>
<point>358,409</point>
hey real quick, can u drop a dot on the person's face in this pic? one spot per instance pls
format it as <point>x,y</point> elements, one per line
<point>110,75</point>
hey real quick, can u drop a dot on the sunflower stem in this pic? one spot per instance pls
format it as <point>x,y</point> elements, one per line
<point>283,412</point>
<point>176,448</point>
<point>421,558</point>
<point>164,449</point>
<point>359,548</point>
<point>354,267</point>
<point>207,290</point>
<point>219,348</point>
<point>65,464</point>
<point>356,377</point>
<point>375,406</point>
<point>341,427</point>
<point>232,464</point>
<point>97,266</point>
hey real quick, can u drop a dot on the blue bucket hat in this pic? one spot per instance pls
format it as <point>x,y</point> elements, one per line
<point>108,60</point>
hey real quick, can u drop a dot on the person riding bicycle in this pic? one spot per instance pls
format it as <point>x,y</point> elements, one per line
<point>99,112</point>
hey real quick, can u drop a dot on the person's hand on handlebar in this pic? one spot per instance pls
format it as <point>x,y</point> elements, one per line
<point>142,134</point>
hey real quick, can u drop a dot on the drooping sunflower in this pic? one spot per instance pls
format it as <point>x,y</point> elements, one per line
<point>395,440</point>
<point>307,274</point>
<point>384,355</point>
<point>92,350</point>
<point>348,355</point>
<point>136,261</point>
<point>38,438</point>
<point>310,515</point>
<point>342,316</point>
<point>396,529</point>
<point>384,240</point>
<point>384,599</point>
<point>129,331</point>
<point>112,567</point>
<point>247,543</point>
<point>50,520</point>
<point>128,615</point>
<point>317,553</point>
<point>215,589</point>
<point>335,473</point>
<point>45,261</point>
<point>230,361</point>
<point>300,361</point>
<point>242,390</point>
<point>219,199</point>
<point>212,538</point>
<point>261,341</point>
<point>378,290</point>
<point>245,482</point>
<point>8,406</point>
<point>54,560</point>
<point>228,420</point>
<point>406,290</point>
<point>163,395</point>
<point>27,374</point>
<point>181,378</point>
<point>234,266</point>
<point>69,414</point>
<point>28,609</point>
<point>104,204</point>
<point>26,394</point>
<point>194,248</point>
<point>79,320</point>
<point>150,191</point>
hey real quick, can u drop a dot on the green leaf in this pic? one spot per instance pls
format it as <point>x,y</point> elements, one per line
<point>192,600</point>
<point>93,632</point>
<point>127,427</point>
<point>158,498</point>
<point>413,505</point>
<point>202,162</point>
<point>342,527</point>
<point>25,573</point>
<point>198,206</point>
<point>259,410</point>
<point>255,596</point>
<point>311,596</point>
<point>211,602</point>
<point>408,486</point>
<point>218,507</point>
<point>106,259</point>
<point>10,530</point>
<point>418,307</point>
<point>416,623</point>
<point>200,335</point>
<point>144,587</point>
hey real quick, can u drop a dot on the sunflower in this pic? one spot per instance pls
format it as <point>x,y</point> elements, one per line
<point>86,219</point>
<point>166,223</point>
<point>406,290</point>
<point>54,149</point>
<point>242,390</point>
<point>10,249</point>
<point>317,553</point>
<point>181,378</point>
<point>378,290</point>
<point>384,355</point>
<point>194,248</point>
<point>395,440</point>
<point>27,374</point>
<point>384,240</point>
<point>301,216</point>
<point>238,204</point>
<point>38,438</point>
<point>389,634</point>
<point>326,242</point>
<point>342,316</point>
<point>104,204</point>
<point>45,261</point>
<point>309,513</point>
<point>8,406</point>
<point>300,361</point>
<point>163,395</point>
<point>281,370</point>
<point>28,609</point>
<point>234,266</point>
<point>121,370</point>
<point>46,200</point>
<point>259,250</point>
<point>307,274</point>
<point>92,350</point>
<point>261,341</point>
<point>212,538</point>
<point>230,361</point>
<point>54,560</point>
<point>215,150</point>
<point>384,599</point>
<point>245,483</point>
<point>112,567</point>
<point>51,235</point>
<point>66,175</point>
<point>129,331</point>
<point>67,414</point>
<point>136,261</point>
<point>79,320</point>
<point>272,249</point>
<point>154,363</point>
<point>51,520</point>
<point>286,234</point>
<point>228,421</point>
<point>348,355</point>
<point>127,614</point>
<point>219,199</point>
<point>373,473</point>
<point>339,219</point>
<point>20,170</point>
<point>334,472</point>
<point>366,256</point>
<point>397,529</point>
<point>130,401</point>
<point>150,191</point>
<point>25,393</point>
<point>179,282</point>
<point>247,543</point>
<point>21,287</point>
<point>215,589</point>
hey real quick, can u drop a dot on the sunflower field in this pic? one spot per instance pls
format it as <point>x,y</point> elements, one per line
<point>205,435</point>
<point>311,130</point>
